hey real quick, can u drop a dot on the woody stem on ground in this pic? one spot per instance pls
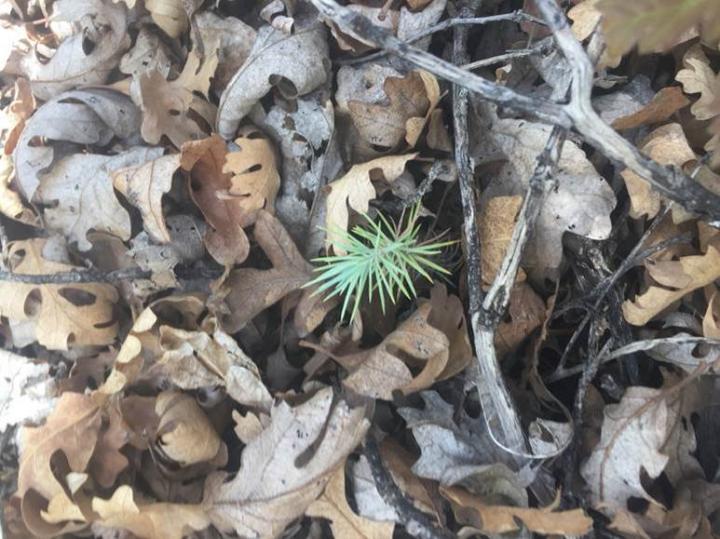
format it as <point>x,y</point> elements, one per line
<point>577,114</point>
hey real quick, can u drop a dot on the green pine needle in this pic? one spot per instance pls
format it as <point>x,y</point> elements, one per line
<point>379,262</point>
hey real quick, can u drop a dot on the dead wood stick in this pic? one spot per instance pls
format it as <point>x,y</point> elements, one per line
<point>578,114</point>
<point>417,523</point>
<point>76,277</point>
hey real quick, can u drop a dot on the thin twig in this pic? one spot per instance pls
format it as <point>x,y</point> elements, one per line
<point>415,521</point>
<point>515,16</point>
<point>669,182</point>
<point>75,277</point>
<point>521,53</point>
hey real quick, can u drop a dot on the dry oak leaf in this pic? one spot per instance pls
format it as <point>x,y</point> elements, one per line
<point>662,106</point>
<point>79,194</point>
<point>144,186</point>
<point>675,279</point>
<point>711,320</point>
<point>634,432</point>
<point>86,57</point>
<point>355,189</point>
<point>655,25</point>
<point>668,146</point>
<point>185,434</point>
<point>344,522</point>
<point>13,117</point>
<point>72,428</point>
<point>255,180</point>
<point>382,370</point>
<point>274,485</point>
<point>226,240</point>
<point>11,204</point>
<point>697,77</point>
<point>411,99</point>
<point>149,521</point>
<point>172,108</point>
<point>107,461</point>
<point>497,223</point>
<point>147,54</point>
<point>249,291</point>
<point>296,64</point>
<point>172,16</point>
<point>63,315</point>
<point>526,313</point>
<point>494,519</point>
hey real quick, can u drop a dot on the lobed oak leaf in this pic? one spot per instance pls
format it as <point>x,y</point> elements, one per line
<point>355,189</point>
<point>268,67</point>
<point>496,519</point>
<point>675,279</point>
<point>249,291</point>
<point>62,315</point>
<point>655,25</point>
<point>285,467</point>
<point>149,521</point>
<point>344,522</point>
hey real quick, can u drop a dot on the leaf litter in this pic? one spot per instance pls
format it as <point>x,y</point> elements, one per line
<point>178,360</point>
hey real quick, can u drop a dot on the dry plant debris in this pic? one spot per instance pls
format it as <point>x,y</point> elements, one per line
<point>427,268</point>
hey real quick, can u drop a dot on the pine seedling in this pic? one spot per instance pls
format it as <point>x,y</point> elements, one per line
<point>380,261</point>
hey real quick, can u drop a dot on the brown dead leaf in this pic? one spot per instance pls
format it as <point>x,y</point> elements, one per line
<point>249,291</point>
<point>295,64</point>
<point>344,522</point>
<point>107,460</point>
<point>675,279</point>
<point>72,428</point>
<point>355,189</point>
<point>662,106</point>
<point>255,180</point>
<point>185,434</point>
<point>61,315</point>
<point>205,159</point>
<point>382,370</point>
<point>171,108</point>
<point>150,521</point>
<point>711,320</point>
<point>16,113</point>
<point>144,186</point>
<point>526,313</point>
<point>472,509</point>
<point>497,223</point>
<point>274,485</point>
<point>411,99</point>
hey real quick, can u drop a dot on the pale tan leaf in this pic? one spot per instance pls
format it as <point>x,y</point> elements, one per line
<point>675,279</point>
<point>107,460</point>
<point>697,77</point>
<point>144,186</point>
<point>344,522</point>
<point>355,189</point>
<point>274,486</point>
<point>149,521</point>
<point>62,315</point>
<point>13,117</point>
<point>496,226</point>
<point>185,434</point>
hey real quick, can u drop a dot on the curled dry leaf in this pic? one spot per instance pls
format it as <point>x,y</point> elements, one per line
<point>248,291</point>
<point>72,428</point>
<point>410,101</point>
<point>668,146</point>
<point>150,521</point>
<point>83,58</point>
<point>185,434</point>
<point>107,461</point>
<point>344,522</point>
<point>660,108</point>
<point>355,189</point>
<point>61,315</point>
<point>268,66</point>
<point>79,194</point>
<point>172,108</point>
<point>144,186</point>
<point>226,241</point>
<point>275,485</point>
<point>675,279</point>
<point>491,519</point>
<point>84,117</point>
